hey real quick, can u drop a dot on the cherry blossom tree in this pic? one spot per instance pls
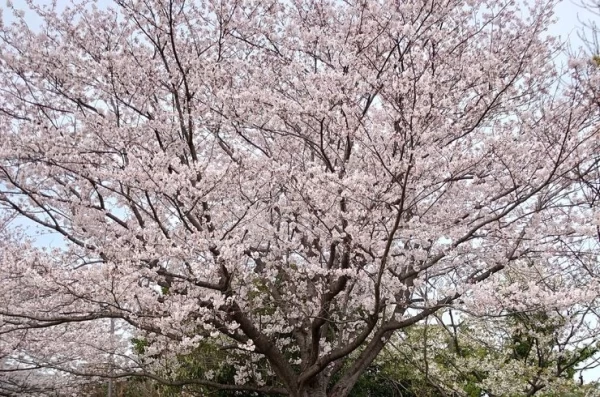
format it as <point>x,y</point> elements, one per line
<point>288,181</point>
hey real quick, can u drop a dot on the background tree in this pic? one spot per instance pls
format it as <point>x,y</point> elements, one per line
<point>514,355</point>
<point>291,181</point>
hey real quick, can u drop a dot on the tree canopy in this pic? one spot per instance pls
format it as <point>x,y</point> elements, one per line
<point>288,184</point>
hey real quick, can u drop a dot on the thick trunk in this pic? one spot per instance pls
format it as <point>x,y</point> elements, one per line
<point>316,388</point>
<point>312,393</point>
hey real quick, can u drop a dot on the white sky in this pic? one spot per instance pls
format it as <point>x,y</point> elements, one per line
<point>570,15</point>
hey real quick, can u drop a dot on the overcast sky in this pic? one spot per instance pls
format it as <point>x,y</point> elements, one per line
<point>570,16</point>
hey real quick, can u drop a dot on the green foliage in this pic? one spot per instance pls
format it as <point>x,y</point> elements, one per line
<point>139,345</point>
<point>390,377</point>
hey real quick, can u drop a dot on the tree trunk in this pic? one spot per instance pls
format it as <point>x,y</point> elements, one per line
<point>316,388</point>
<point>312,393</point>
